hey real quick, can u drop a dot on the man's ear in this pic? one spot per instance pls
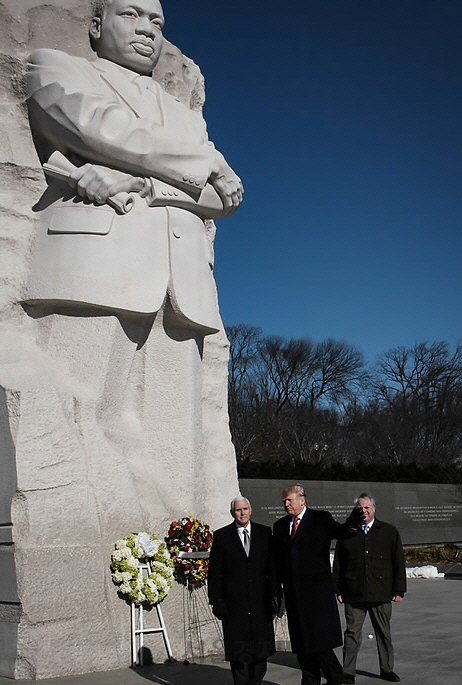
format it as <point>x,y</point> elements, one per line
<point>95,28</point>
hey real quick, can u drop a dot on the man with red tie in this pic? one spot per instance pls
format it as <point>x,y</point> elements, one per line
<point>302,542</point>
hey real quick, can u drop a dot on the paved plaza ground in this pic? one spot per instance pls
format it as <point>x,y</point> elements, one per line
<point>427,635</point>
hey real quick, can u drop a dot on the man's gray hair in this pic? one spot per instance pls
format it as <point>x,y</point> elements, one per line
<point>234,501</point>
<point>365,495</point>
<point>295,489</point>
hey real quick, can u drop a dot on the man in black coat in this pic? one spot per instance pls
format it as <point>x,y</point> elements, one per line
<point>302,552</point>
<point>241,586</point>
<point>369,574</point>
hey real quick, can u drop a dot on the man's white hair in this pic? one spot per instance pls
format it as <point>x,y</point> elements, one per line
<point>365,495</point>
<point>234,501</point>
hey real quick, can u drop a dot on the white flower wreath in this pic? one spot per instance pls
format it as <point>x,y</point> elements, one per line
<point>125,566</point>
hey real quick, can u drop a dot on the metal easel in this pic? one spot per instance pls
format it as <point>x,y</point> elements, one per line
<point>138,629</point>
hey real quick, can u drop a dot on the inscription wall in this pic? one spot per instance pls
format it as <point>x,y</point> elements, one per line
<point>423,513</point>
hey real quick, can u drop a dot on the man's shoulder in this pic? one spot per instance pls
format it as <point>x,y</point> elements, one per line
<point>46,66</point>
<point>318,516</point>
<point>260,527</point>
<point>280,523</point>
<point>318,513</point>
<point>385,527</point>
<point>224,530</point>
<point>47,57</point>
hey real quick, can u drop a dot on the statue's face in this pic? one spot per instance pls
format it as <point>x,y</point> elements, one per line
<point>130,34</point>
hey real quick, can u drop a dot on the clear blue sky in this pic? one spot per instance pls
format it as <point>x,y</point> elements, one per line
<point>344,120</point>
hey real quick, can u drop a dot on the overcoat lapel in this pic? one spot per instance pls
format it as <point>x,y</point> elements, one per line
<point>235,540</point>
<point>130,88</point>
<point>147,98</point>
<point>255,541</point>
<point>303,531</point>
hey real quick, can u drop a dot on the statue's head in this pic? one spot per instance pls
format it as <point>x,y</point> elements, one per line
<point>128,33</point>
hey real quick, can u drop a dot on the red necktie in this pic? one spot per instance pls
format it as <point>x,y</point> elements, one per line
<point>294,527</point>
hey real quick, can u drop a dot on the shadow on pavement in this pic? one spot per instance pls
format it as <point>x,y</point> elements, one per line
<point>369,674</point>
<point>284,659</point>
<point>183,673</point>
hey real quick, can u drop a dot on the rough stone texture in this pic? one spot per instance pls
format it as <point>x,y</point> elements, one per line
<point>66,492</point>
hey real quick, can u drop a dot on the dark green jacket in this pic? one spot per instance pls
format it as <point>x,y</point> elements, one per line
<point>370,568</point>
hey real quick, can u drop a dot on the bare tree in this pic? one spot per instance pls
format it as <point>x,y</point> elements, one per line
<point>244,343</point>
<point>419,390</point>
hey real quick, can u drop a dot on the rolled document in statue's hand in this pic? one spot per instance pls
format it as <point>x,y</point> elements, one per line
<point>58,166</point>
<point>208,206</point>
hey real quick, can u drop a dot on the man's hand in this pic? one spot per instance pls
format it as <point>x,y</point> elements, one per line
<point>340,599</point>
<point>98,183</point>
<point>397,598</point>
<point>227,184</point>
<point>356,519</point>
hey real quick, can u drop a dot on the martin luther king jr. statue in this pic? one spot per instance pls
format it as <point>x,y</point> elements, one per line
<point>121,288</point>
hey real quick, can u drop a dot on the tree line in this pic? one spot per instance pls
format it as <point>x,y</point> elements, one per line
<point>315,410</point>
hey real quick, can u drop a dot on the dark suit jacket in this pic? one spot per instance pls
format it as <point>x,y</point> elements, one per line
<point>303,568</point>
<point>370,568</point>
<point>242,587</point>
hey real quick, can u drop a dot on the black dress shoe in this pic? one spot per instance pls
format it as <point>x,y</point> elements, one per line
<point>348,679</point>
<point>390,676</point>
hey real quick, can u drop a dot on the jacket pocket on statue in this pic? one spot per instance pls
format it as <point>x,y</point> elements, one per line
<point>81,218</point>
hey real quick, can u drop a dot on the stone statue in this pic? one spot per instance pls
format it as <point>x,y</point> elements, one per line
<point>119,132</point>
<point>122,264</point>
<point>113,370</point>
<point>124,133</point>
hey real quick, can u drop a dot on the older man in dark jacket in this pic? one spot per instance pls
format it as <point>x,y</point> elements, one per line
<point>241,585</point>
<point>369,573</point>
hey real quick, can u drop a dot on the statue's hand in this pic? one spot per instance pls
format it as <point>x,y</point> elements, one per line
<point>227,184</point>
<point>98,183</point>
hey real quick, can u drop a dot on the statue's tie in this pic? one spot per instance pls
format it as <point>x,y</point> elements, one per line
<point>294,527</point>
<point>246,541</point>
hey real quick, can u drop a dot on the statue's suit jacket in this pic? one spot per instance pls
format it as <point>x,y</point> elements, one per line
<point>102,113</point>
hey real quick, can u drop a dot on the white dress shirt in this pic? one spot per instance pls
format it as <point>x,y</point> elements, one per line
<point>240,530</point>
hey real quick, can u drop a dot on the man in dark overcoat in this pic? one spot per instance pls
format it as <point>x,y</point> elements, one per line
<point>369,574</point>
<point>302,553</point>
<point>241,587</point>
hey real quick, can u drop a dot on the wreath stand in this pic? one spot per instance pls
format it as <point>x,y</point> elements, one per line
<point>197,614</point>
<point>138,630</point>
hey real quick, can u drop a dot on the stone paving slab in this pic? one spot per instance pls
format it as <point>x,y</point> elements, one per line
<point>427,635</point>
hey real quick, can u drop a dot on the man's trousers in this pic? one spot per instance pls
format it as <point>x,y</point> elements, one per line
<point>248,673</point>
<point>380,615</point>
<point>312,665</point>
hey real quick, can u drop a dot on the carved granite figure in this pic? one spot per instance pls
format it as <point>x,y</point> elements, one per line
<point>113,357</point>
<point>135,262</point>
